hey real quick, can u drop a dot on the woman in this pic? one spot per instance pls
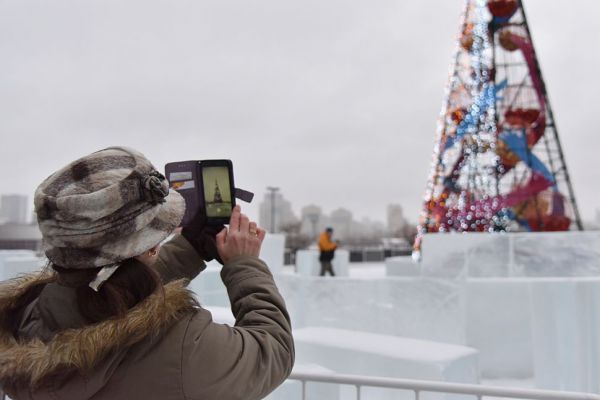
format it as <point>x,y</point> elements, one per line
<point>112,318</point>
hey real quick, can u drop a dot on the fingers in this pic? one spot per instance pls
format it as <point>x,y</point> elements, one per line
<point>234,221</point>
<point>261,234</point>
<point>221,240</point>
<point>252,227</point>
<point>244,224</point>
<point>244,237</point>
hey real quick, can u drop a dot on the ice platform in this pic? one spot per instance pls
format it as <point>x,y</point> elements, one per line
<point>364,353</point>
<point>485,255</point>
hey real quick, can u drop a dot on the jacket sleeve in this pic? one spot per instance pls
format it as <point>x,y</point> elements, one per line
<point>325,244</point>
<point>246,361</point>
<point>178,259</point>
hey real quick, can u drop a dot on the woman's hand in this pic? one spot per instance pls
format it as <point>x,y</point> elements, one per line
<point>243,238</point>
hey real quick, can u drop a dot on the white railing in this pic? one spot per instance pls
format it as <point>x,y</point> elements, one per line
<point>416,386</point>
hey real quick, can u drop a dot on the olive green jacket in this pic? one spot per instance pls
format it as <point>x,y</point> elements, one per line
<point>166,347</point>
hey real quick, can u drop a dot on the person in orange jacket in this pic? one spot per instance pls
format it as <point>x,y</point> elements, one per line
<point>327,248</point>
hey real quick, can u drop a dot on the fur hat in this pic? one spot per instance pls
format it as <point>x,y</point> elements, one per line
<point>104,208</point>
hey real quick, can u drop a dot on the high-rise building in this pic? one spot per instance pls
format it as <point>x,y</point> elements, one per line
<point>13,209</point>
<point>341,222</point>
<point>275,212</point>
<point>312,221</point>
<point>395,219</point>
<point>368,228</point>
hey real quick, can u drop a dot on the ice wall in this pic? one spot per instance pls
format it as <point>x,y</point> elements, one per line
<point>529,303</point>
<point>307,262</point>
<point>272,251</point>
<point>402,266</point>
<point>364,353</point>
<point>498,322</point>
<point>487,292</point>
<point>421,308</point>
<point>17,262</point>
<point>540,254</point>
<point>209,287</point>
<point>566,333</point>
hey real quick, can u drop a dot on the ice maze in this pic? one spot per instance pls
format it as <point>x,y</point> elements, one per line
<point>477,307</point>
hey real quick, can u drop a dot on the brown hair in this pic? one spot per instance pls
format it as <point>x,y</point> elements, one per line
<point>131,283</point>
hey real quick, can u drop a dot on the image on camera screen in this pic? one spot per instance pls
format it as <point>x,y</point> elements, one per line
<point>217,191</point>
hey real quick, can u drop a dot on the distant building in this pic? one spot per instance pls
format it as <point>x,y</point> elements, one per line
<point>13,209</point>
<point>312,221</point>
<point>395,219</point>
<point>20,237</point>
<point>342,223</point>
<point>368,227</point>
<point>275,212</point>
<point>598,217</point>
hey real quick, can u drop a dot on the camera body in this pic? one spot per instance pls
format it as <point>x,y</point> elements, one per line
<point>207,187</point>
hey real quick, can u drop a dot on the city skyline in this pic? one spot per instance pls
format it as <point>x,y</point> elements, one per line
<point>254,211</point>
<point>277,215</point>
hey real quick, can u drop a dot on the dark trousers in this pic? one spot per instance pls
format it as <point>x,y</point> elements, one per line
<point>326,267</point>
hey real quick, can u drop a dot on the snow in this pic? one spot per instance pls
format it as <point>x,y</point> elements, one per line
<point>402,266</point>
<point>367,270</point>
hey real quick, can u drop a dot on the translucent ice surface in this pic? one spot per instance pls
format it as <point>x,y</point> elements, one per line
<point>307,262</point>
<point>363,353</point>
<point>540,254</point>
<point>16,262</point>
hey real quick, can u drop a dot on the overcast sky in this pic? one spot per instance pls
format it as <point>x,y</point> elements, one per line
<point>334,101</point>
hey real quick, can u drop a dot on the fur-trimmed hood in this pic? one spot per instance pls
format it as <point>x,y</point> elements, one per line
<point>35,363</point>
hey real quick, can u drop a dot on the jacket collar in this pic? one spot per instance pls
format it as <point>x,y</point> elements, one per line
<point>34,363</point>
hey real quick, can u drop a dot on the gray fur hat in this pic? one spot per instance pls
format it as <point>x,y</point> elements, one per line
<point>104,208</point>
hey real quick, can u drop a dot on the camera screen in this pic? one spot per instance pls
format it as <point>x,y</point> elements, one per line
<point>217,191</point>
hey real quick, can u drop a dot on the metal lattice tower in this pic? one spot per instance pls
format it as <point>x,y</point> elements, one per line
<point>498,164</point>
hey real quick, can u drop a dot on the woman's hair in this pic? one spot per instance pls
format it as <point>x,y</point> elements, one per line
<point>131,283</point>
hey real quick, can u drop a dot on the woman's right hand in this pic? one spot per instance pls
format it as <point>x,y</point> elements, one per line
<point>243,238</point>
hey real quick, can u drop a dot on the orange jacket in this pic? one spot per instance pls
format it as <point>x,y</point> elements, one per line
<point>325,243</point>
